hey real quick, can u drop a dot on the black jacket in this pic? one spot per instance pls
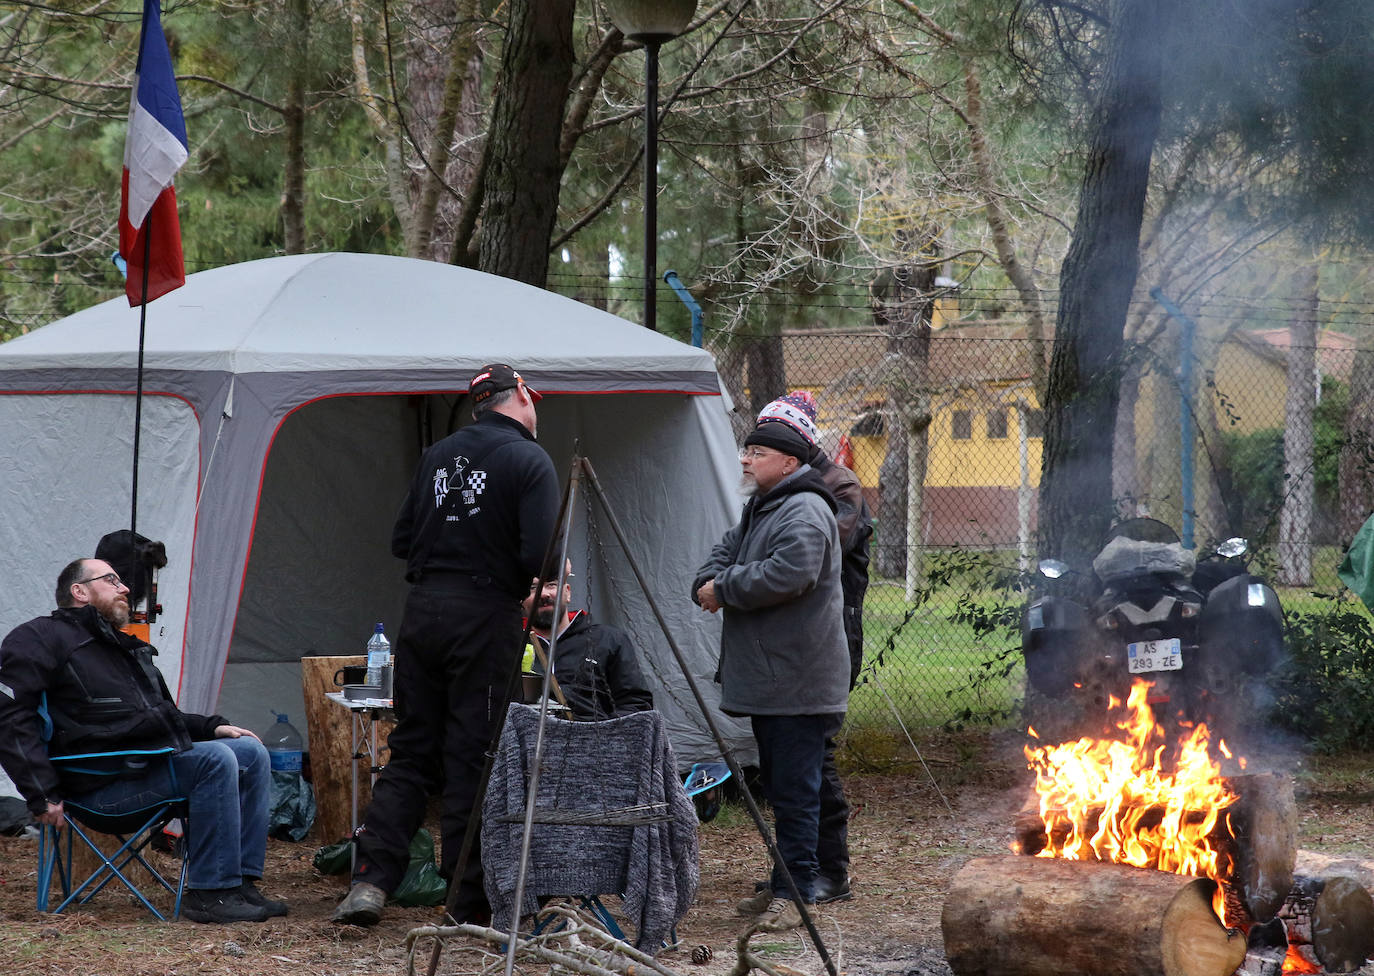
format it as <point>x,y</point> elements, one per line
<point>598,670</point>
<point>104,693</point>
<point>482,504</point>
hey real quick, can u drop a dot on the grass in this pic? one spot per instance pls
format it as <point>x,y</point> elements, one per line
<point>927,674</point>
<point>938,669</point>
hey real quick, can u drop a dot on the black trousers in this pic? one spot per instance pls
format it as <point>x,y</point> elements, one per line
<point>455,653</point>
<point>832,846</point>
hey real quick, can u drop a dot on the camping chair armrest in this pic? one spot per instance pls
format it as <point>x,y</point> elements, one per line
<point>116,754</point>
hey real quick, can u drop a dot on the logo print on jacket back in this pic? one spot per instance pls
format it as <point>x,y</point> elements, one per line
<point>441,479</point>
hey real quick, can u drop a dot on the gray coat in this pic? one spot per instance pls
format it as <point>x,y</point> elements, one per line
<point>777,573</point>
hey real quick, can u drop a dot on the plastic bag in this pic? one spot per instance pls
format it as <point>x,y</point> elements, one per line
<point>292,807</point>
<point>422,884</point>
<point>334,858</point>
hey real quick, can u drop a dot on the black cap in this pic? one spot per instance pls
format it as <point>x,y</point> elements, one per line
<point>780,437</point>
<point>494,378</point>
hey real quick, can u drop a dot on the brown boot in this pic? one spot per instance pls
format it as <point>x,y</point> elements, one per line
<point>362,906</point>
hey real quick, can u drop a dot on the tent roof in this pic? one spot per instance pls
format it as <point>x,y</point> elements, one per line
<point>344,315</point>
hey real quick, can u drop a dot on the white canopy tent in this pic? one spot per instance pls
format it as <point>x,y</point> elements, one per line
<point>286,402</point>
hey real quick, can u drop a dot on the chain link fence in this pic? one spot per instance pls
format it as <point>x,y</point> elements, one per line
<point>1245,433</point>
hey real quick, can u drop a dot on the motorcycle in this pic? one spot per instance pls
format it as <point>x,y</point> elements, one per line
<point>1204,632</point>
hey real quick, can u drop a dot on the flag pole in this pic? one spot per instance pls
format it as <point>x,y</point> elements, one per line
<point>138,394</point>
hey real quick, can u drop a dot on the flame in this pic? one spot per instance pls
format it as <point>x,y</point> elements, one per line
<point>1136,799</point>
<point>1296,962</point>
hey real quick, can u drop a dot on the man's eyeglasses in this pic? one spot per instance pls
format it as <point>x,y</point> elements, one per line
<point>754,453</point>
<point>111,578</point>
<point>549,582</point>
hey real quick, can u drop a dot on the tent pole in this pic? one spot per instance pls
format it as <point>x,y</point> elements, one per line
<point>532,789</point>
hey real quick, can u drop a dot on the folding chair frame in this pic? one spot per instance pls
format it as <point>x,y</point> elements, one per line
<point>55,857</point>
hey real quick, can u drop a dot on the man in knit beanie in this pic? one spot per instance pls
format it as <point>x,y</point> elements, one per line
<point>797,411</point>
<point>775,578</point>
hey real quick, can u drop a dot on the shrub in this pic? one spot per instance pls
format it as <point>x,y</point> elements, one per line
<point>1325,690</point>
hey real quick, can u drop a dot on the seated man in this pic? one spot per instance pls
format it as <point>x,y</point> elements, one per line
<point>104,694</point>
<point>595,664</point>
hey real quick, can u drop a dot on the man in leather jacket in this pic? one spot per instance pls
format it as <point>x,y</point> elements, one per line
<point>103,693</point>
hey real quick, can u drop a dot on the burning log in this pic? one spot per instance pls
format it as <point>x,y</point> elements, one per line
<point>1330,923</point>
<point>1022,916</point>
<point>1257,839</point>
<point>1263,844</point>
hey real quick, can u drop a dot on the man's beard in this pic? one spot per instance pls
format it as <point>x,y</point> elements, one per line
<point>115,610</point>
<point>543,616</point>
<point>748,486</point>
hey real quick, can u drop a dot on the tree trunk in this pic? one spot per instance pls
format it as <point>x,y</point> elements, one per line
<point>901,307</point>
<point>1096,282</point>
<point>917,450</point>
<point>1356,489</point>
<point>1126,489</point>
<point>293,174</point>
<point>439,69</point>
<point>1295,517</point>
<point>767,371</point>
<point>524,171</point>
<point>1032,916</point>
<point>890,544</point>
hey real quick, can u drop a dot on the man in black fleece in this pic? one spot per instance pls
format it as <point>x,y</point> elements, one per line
<point>472,530</point>
<point>595,664</point>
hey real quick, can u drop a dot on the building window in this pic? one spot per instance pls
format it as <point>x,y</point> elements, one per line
<point>997,424</point>
<point>961,425</point>
<point>1035,422</point>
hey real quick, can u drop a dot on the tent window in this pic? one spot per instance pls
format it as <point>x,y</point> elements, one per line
<point>961,425</point>
<point>997,424</point>
<point>1035,423</point>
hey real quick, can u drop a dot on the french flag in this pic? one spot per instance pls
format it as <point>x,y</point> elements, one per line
<point>153,152</point>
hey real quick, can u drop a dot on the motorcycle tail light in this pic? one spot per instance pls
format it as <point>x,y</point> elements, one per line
<point>1108,621</point>
<point>1190,610</point>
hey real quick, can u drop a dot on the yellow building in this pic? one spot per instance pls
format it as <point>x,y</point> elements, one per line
<point>979,464</point>
<point>984,439</point>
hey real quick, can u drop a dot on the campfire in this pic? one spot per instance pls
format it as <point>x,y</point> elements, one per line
<point>1156,851</point>
<point>1138,799</point>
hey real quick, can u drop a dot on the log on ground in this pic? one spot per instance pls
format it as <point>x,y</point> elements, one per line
<point>1025,916</point>
<point>1263,847</point>
<point>1332,920</point>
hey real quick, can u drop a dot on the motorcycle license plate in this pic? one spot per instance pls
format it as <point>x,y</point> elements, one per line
<point>1154,655</point>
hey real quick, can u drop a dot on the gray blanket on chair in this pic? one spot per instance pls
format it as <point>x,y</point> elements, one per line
<point>591,771</point>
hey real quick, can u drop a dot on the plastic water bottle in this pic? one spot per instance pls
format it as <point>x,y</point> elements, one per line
<point>284,746</point>
<point>378,656</point>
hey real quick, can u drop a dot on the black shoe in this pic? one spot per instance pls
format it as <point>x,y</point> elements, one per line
<point>251,894</point>
<point>221,906</point>
<point>828,890</point>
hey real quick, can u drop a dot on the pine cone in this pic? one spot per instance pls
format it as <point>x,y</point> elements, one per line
<point>701,955</point>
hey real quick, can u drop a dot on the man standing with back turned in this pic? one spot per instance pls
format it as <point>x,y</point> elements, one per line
<point>783,658</point>
<point>473,530</point>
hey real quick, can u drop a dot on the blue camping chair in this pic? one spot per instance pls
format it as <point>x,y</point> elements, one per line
<point>703,785</point>
<point>133,831</point>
